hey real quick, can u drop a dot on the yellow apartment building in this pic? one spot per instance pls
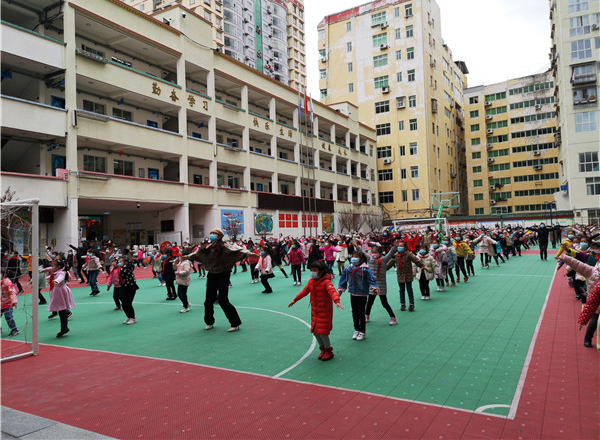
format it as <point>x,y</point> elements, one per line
<point>131,129</point>
<point>389,59</point>
<point>512,159</point>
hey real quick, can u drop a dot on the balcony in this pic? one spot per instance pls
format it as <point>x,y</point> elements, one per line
<point>32,46</point>
<point>24,115</point>
<point>585,78</point>
<point>52,191</point>
<point>201,194</point>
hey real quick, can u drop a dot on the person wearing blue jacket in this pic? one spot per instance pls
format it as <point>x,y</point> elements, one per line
<point>360,282</point>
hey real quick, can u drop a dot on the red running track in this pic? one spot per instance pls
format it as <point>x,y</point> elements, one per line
<point>132,397</point>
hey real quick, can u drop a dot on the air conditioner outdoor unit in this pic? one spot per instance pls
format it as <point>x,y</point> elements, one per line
<point>490,146</point>
<point>431,64</point>
<point>383,25</point>
<point>492,188</point>
<point>538,106</point>
<point>491,160</point>
<point>387,161</point>
<point>490,131</point>
<point>385,90</point>
<point>323,59</point>
<point>537,153</point>
<point>488,117</point>
<point>537,167</point>
<point>594,26</point>
<point>383,46</point>
<point>493,202</point>
<point>400,102</point>
<point>488,103</point>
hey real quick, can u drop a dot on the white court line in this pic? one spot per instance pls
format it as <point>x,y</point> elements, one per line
<point>521,384</point>
<point>481,409</point>
<point>281,373</point>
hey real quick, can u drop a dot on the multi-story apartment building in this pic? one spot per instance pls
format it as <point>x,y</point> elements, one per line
<point>512,159</point>
<point>126,127</point>
<point>574,57</point>
<point>390,60</point>
<point>267,35</point>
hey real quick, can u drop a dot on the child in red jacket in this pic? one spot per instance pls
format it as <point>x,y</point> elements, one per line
<point>9,301</point>
<point>322,294</point>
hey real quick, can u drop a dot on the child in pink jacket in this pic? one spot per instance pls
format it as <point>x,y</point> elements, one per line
<point>113,280</point>
<point>183,274</point>
<point>9,301</point>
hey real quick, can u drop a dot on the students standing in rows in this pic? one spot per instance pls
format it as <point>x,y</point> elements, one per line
<point>378,266</point>
<point>296,258</point>
<point>404,274</point>
<point>425,273</point>
<point>462,251</point>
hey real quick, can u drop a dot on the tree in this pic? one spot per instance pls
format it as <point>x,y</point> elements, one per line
<point>374,222</point>
<point>350,221</point>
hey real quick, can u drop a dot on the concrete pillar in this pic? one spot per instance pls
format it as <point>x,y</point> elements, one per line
<point>212,173</point>
<point>273,109</point>
<point>298,184</point>
<point>349,194</point>
<point>274,146</point>
<point>316,126</point>
<point>212,131</point>
<point>348,139</point>
<point>182,113</point>
<point>332,133</point>
<point>244,96</point>
<point>181,217</point>
<point>334,190</point>
<point>210,83</point>
<point>183,169</point>
<point>246,139</point>
<point>246,178</point>
<point>275,183</point>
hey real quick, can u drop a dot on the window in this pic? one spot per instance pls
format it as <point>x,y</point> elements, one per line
<point>349,67</point>
<point>497,124</point>
<point>578,5</point>
<point>402,150</point>
<point>475,127</point>
<point>414,172</point>
<point>412,149</point>
<point>477,169</point>
<point>585,121</point>
<point>350,87</point>
<point>400,125</point>
<point>398,33</point>
<point>398,58</point>
<point>475,142</point>
<point>386,197</point>
<point>150,123</point>
<point>410,53</point>
<point>415,195</point>
<point>384,152</point>
<point>531,88</point>
<point>322,54</point>
<point>57,101</point>
<point>381,81</point>
<point>478,211</point>
<point>404,195</point>
<point>94,107</point>
<point>498,153</point>
<point>496,110</point>
<point>94,164</point>
<point>382,107</point>
<point>403,173</point>
<point>322,73</point>
<point>478,197</point>
<point>408,10</point>
<point>349,46</point>
<point>473,100</point>
<point>378,18</point>
<point>499,167</point>
<point>592,185</point>
<point>583,95</point>
<point>412,125</point>
<point>411,75</point>
<point>409,31</point>
<point>383,129</point>
<point>123,167</point>
<point>122,114</point>
<point>380,60</point>
<point>385,175</point>
<point>477,183</point>
<point>399,77</point>
<point>579,25</point>
<point>474,113</point>
<point>581,49</point>
<point>588,162</point>
<point>323,93</point>
<point>348,26</point>
<point>412,101</point>
<point>321,34</point>
<point>379,39</point>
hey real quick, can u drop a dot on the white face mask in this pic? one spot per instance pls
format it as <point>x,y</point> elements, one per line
<point>314,275</point>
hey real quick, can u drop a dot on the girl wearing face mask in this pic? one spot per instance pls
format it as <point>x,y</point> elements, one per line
<point>451,259</point>
<point>93,266</point>
<point>322,294</point>
<point>113,280</point>
<point>296,258</point>
<point>359,281</point>
<point>61,298</point>
<point>265,266</point>
<point>378,265</point>
<point>125,268</point>
<point>405,275</point>
<point>441,265</point>
<point>424,274</point>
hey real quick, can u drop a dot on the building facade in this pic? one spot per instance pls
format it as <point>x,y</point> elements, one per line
<point>138,138</point>
<point>512,159</point>
<point>390,60</point>
<point>267,35</point>
<point>575,32</point>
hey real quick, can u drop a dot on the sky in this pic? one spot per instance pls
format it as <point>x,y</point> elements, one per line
<point>498,39</point>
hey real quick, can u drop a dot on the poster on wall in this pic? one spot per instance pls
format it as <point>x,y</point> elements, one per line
<point>328,224</point>
<point>232,222</point>
<point>263,223</point>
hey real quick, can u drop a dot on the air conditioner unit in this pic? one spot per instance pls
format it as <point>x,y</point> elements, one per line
<point>490,160</point>
<point>488,103</point>
<point>323,59</point>
<point>537,153</point>
<point>490,146</point>
<point>383,47</point>
<point>384,25</point>
<point>431,64</point>
<point>490,131</point>
<point>594,26</point>
<point>538,106</point>
<point>492,188</point>
<point>400,102</point>
<point>385,90</point>
<point>537,167</point>
<point>453,175</point>
<point>488,117</point>
<point>493,202</point>
<point>387,161</point>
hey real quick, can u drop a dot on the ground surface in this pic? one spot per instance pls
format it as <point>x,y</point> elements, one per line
<point>463,351</point>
